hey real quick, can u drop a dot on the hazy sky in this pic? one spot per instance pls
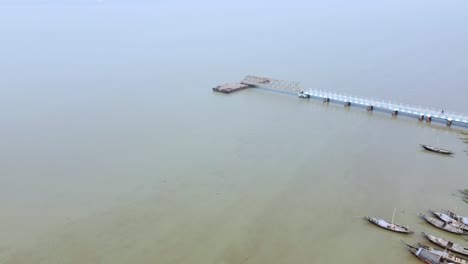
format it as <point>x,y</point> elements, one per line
<point>338,45</point>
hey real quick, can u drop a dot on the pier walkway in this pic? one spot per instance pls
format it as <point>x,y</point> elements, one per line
<point>395,108</point>
<point>422,113</point>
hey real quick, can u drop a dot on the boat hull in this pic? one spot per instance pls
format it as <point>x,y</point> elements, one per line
<point>385,225</point>
<point>449,219</point>
<point>454,247</point>
<point>444,226</point>
<point>436,149</point>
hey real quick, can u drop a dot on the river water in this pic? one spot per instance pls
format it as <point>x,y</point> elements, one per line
<point>115,149</point>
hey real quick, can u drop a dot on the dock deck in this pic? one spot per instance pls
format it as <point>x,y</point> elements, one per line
<point>230,87</point>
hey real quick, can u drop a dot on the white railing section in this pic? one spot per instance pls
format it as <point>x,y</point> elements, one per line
<point>391,106</point>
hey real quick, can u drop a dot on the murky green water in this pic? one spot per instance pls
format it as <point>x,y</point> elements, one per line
<point>115,149</point>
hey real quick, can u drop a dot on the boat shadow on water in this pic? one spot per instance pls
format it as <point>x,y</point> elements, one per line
<point>437,154</point>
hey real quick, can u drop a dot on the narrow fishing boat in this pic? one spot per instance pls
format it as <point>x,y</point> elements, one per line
<point>428,257</point>
<point>444,256</point>
<point>444,226</point>
<point>459,218</point>
<point>448,219</point>
<point>454,247</point>
<point>389,226</point>
<point>436,149</point>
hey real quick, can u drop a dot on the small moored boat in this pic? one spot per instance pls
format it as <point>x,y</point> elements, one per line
<point>459,218</point>
<point>454,247</point>
<point>389,226</point>
<point>436,149</point>
<point>428,257</point>
<point>448,219</point>
<point>444,226</point>
<point>431,255</point>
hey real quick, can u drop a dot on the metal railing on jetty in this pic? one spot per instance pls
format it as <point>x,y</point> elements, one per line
<point>395,108</point>
<point>423,113</point>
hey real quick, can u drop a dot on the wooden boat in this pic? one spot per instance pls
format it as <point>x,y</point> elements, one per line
<point>459,218</point>
<point>428,257</point>
<point>444,226</point>
<point>443,256</point>
<point>389,226</point>
<point>436,149</point>
<point>457,248</point>
<point>447,219</point>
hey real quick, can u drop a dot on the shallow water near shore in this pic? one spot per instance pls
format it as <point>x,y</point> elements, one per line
<point>115,149</point>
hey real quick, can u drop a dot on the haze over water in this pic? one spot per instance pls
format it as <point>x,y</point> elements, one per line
<point>115,149</point>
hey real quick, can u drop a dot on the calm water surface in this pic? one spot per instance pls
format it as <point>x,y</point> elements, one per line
<point>115,149</point>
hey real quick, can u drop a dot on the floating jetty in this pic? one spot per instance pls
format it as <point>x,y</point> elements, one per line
<point>230,87</point>
<point>395,109</point>
<point>369,104</point>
